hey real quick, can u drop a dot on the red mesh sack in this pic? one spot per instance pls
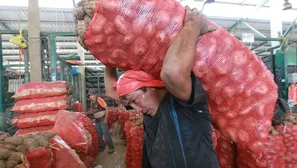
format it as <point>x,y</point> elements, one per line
<point>129,152</point>
<point>88,160</point>
<point>289,134</point>
<point>273,155</point>
<point>42,104</point>
<point>25,163</point>
<point>226,151</point>
<point>112,117</point>
<point>137,134</point>
<point>34,130</point>
<point>40,158</point>
<point>71,129</point>
<point>89,126</point>
<point>64,156</point>
<point>122,119</point>
<point>40,90</point>
<point>136,35</point>
<point>35,119</point>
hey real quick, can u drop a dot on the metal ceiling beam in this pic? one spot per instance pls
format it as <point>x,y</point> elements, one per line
<point>264,2</point>
<point>41,21</point>
<point>253,29</point>
<point>4,25</point>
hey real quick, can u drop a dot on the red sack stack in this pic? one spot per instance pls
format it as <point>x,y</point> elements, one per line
<point>273,155</point>
<point>289,134</point>
<point>226,151</point>
<point>123,117</point>
<point>241,90</point>
<point>41,90</point>
<point>137,134</point>
<point>112,117</point>
<point>129,152</point>
<point>38,104</point>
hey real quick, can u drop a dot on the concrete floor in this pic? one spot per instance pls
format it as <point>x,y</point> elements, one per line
<point>114,160</point>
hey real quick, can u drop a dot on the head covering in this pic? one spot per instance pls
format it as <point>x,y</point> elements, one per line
<point>132,80</point>
<point>92,92</point>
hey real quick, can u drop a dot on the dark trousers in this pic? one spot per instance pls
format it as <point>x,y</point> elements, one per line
<point>102,129</point>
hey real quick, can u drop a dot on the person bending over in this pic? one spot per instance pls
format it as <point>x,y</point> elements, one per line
<point>177,124</point>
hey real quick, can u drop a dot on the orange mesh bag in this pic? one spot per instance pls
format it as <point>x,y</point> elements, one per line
<point>226,151</point>
<point>40,90</point>
<point>70,128</point>
<point>40,105</point>
<point>289,134</point>
<point>137,34</point>
<point>35,119</point>
<point>64,156</point>
<point>34,130</point>
<point>273,155</point>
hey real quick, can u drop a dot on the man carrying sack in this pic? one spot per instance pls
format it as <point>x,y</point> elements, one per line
<point>98,108</point>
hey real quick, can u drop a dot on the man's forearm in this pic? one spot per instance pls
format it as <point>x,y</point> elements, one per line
<point>181,53</point>
<point>178,64</point>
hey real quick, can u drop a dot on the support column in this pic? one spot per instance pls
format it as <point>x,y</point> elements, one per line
<point>82,76</point>
<point>2,105</point>
<point>53,58</point>
<point>34,41</point>
<point>276,29</point>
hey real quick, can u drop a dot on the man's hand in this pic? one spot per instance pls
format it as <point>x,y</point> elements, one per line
<point>197,22</point>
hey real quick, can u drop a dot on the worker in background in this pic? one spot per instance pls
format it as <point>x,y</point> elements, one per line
<point>98,109</point>
<point>177,124</point>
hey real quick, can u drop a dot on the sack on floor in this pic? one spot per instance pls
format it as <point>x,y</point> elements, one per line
<point>72,131</point>
<point>289,134</point>
<point>40,158</point>
<point>41,104</point>
<point>33,90</point>
<point>30,120</point>
<point>63,155</point>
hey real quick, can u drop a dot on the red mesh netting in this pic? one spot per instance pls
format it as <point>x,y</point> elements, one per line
<point>289,134</point>
<point>226,151</point>
<point>34,130</point>
<point>136,35</point>
<point>273,155</point>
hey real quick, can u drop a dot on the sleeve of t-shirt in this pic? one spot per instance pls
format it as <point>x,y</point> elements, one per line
<point>198,95</point>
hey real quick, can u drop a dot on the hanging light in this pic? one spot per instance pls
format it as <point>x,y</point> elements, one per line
<point>287,5</point>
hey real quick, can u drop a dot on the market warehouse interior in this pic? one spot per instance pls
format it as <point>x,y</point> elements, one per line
<point>147,84</point>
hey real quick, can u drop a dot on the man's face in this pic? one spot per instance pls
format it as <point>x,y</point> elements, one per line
<point>143,100</point>
<point>92,97</point>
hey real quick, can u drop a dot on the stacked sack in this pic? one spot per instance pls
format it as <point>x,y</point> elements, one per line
<point>38,104</point>
<point>135,139</point>
<point>79,132</point>
<point>124,116</point>
<point>137,34</point>
<point>83,14</point>
<point>273,154</point>
<point>112,117</point>
<point>289,133</point>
